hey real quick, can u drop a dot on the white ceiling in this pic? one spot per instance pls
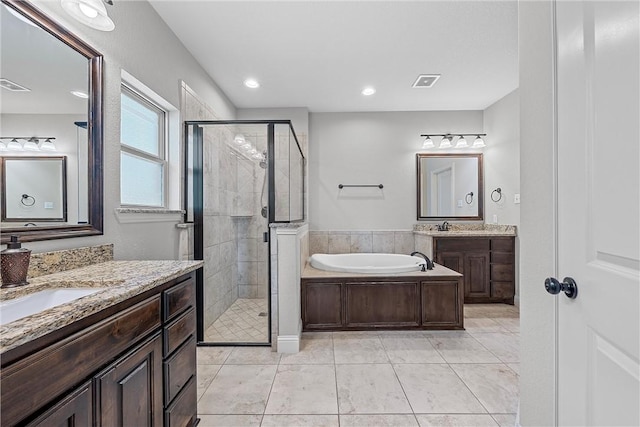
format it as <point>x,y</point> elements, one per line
<point>321,54</point>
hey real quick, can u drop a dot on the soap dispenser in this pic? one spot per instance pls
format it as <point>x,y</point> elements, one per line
<point>14,264</point>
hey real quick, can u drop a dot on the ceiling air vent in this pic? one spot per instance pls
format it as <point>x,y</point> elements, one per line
<point>12,86</point>
<point>426,80</point>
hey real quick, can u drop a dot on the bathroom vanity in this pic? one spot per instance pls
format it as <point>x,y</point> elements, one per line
<point>334,301</point>
<point>125,355</point>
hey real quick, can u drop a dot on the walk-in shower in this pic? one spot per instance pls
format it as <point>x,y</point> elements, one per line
<point>240,177</point>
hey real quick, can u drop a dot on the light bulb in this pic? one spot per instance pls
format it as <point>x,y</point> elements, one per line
<point>251,83</point>
<point>31,145</point>
<point>462,143</point>
<point>446,142</point>
<point>257,156</point>
<point>239,139</point>
<point>14,145</point>
<point>428,143</point>
<point>478,143</point>
<point>48,146</point>
<point>368,91</point>
<point>247,147</point>
<point>253,151</point>
<point>88,11</point>
<point>3,146</point>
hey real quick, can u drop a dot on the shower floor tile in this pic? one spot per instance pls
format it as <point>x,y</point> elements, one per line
<point>241,323</point>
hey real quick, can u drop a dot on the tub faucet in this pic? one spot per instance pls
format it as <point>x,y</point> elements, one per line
<point>428,262</point>
<point>444,226</point>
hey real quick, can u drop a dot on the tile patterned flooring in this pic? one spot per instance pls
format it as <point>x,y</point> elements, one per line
<point>378,378</point>
<point>241,323</point>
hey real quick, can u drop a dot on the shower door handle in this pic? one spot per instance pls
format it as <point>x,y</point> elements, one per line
<point>265,237</point>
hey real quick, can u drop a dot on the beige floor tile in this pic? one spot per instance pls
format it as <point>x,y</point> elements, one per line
<point>312,351</point>
<point>213,355</point>
<point>515,367</point>
<point>463,350</point>
<point>490,310</point>
<point>366,349</point>
<point>505,420</point>
<point>446,334</point>
<point>395,420</point>
<point>370,389</point>
<point>300,421</point>
<point>510,323</point>
<point>317,335</point>
<point>433,388</point>
<point>205,375</point>
<point>230,420</point>
<point>253,356</point>
<point>505,346</point>
<point>496,386</point>
<point>475,325</point>
<point>456,420</point>
<point>303,389</point>
<point>238,389</point>
<point>241,323</point>
<point>401,349</point>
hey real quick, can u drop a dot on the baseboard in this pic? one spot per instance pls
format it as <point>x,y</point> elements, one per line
<point>516,301</point>
<point>288,343</point>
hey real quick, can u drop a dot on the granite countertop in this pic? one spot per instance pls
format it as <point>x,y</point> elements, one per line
<point>438,271</point>
<point>122,280</point>
<point>466,230</point>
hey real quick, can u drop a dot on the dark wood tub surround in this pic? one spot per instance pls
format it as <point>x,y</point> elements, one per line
<point>340,302</point>
<point>131,364</point>
<point>487,263</point>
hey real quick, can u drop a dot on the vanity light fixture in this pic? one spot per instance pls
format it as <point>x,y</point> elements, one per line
<point>31,144</point>
<point>447,139</point>
<point>252,83</point>
<point>14,145</point>
<point>92,13</point>
<point>239,139</point>
<point>368,91</point>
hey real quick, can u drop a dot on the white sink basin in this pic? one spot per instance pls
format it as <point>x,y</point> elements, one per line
<point>36,302</point>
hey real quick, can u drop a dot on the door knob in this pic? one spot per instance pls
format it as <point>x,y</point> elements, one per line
<point>568,285</point>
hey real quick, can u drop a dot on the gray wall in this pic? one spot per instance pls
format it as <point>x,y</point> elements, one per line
<point>537,217</point>
<point>155,56</point>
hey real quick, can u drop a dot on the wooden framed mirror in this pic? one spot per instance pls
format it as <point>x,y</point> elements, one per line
<point>49,64</point>
<point>450,187</point>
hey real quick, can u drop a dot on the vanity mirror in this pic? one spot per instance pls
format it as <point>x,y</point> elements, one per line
<point>51,83</point>
<point>450,186</point>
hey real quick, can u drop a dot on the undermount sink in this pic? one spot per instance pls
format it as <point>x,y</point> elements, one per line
<point>17,308</point>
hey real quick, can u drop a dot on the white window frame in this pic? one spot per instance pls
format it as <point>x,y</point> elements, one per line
<point>162,156</point>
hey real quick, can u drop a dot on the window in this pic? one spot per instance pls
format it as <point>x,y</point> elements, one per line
<point>143,164</point>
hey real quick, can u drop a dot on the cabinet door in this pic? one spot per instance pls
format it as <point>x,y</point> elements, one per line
<point>452,260</point>
<point>129,392</point>
<point>74,410</point>
<point>476,275</point>
<point>321,305</point>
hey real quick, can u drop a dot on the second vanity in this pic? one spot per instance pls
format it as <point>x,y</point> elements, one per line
<point>125,355</point>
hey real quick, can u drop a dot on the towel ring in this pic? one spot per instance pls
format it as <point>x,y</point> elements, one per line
<point>26,198</point>
<point>499,197</point>
<point>469,197</point>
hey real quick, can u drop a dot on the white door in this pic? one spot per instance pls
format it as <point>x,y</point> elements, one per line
<point>598,116</point>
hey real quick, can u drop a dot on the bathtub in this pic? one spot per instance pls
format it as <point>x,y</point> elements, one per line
<point>367,263</point>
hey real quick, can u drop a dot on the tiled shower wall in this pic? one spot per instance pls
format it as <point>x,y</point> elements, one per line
<point>344,242</point>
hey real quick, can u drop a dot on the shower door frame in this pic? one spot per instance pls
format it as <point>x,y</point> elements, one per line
<point>197,199</point>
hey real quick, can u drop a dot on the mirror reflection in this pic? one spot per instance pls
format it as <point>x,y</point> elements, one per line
<point>47,94</point>
<point>450,186</point>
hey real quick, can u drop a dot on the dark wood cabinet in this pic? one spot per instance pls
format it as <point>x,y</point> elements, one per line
<point>393,302</point>
<point>129,391</point>
<point>131,364</point>
<point>487,264</point>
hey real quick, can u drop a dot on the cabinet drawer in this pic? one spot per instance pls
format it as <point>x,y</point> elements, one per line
<point>179,331</point>
<point>178,369</point>
<point>461,244</point>
<point>178,298</point>
<point>502,272</point>
<point>502,289</point>
<point>182,411</point>
<point>502,257</point>
<point>502,244</point>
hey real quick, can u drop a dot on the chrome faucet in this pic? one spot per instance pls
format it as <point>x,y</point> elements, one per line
<point>444,226</point>
<point>428,263</point>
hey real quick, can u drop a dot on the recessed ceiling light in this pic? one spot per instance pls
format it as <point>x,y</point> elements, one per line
<point>368,91</point>
<point>251,83</point>
<point>426,80</point>
<point>13,86</point>
<point>79,94</point>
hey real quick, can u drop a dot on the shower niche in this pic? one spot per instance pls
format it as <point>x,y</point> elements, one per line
<point>240,177</point>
